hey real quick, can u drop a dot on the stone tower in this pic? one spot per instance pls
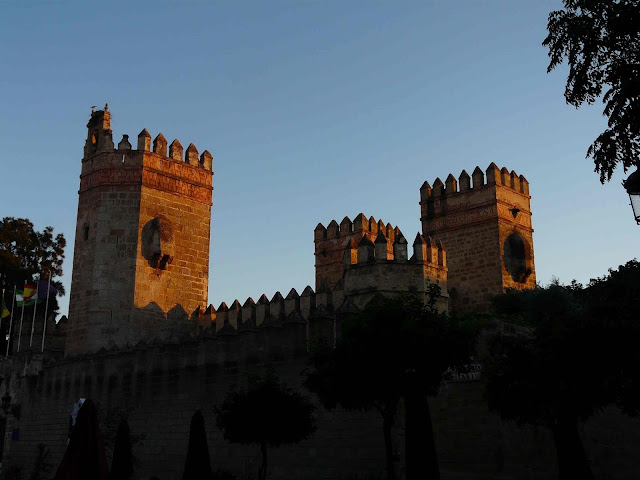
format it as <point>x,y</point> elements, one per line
<point>330,244</point>
<point>141,254</point>
<point>486,227</point>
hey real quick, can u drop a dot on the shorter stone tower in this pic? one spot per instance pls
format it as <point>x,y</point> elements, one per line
<point>330,243</point>
<point>363,258</point>
<point>369,269</point>
<point>141,254</point>
<point>486,226</point>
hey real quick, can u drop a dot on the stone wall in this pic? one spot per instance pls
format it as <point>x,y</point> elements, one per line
<point>164,384</point>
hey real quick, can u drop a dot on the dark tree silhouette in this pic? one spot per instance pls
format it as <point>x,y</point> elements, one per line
<point>26,252</point>
<point>197,466</point>
<point>110,424</point>
<point>84,457</point>
<point>267,413</point>
<point>397,348</point>
<point>122,462</point>
<point>575,354</point>
<point>600,40</point>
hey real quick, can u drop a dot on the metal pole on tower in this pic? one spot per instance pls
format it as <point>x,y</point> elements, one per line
<point>13,301</point>
<point>46,310</point>
<point>35,306</point>
<point>21,316</point>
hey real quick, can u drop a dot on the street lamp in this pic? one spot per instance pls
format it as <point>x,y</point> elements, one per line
<point>632,186</point>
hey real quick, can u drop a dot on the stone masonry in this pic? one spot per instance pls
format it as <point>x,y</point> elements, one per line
<point>138,336</point>
<point>486,228</point>
<point>141,254</point>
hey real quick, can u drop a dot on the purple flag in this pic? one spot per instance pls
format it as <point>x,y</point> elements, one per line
<point>42,290</point>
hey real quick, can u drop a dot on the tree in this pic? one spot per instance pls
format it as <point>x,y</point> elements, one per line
<point>111,426</point>
<point>267,413</point>
<point>84,457</point>
<point>197,466</point>
<point>25,254</point>
<point>572,356</point>
<point>601,41</point>
<point>396,349</point>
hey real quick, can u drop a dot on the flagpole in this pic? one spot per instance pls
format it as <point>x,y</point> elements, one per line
<point>46,309</point>
<point>13,301</point>
<point>35,306</point>
<point>21,316</point>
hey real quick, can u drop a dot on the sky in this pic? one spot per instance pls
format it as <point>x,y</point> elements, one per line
<point>313,110</point>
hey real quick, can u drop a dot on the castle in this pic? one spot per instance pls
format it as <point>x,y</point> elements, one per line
<point>142,244</point>
<point>140,336</point>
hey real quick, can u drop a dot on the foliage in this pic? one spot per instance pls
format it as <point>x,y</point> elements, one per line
<point>578,356</point>
<point>615,299</point>
<point>26,253</point>
<point>267,413</point>
<point>600,40</point>
<point>396,348</point>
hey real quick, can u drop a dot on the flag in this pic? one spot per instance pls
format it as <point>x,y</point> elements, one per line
<point>42,289</point>
<point>28,296</point>
<point>4,312</point>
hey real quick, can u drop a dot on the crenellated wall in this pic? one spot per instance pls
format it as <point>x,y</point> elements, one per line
<point>371,270</point>
<point>485,222</point>
<point>163,383</point>
<point>331,241</point>
<point>142,237</point>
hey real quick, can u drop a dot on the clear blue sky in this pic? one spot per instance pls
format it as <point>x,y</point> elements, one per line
<point>313,111</point>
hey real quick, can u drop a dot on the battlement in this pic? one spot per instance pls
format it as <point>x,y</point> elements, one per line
<point>346,297</point>
<point>360,224</point>
<point>100,142</point>
<point>330,242</point>
<point>465,183</point>
<point>425,250</point>
<point>153,164</point>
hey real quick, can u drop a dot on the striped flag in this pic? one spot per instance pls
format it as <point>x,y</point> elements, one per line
<point>28,296</point>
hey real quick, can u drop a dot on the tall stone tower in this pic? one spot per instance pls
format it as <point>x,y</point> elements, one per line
<point>141,254</point>
<point>486,228</point>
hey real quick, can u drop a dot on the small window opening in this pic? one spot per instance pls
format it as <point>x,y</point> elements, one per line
<point>94,137</point>
<point>85,232</point>
<point>515,260</point>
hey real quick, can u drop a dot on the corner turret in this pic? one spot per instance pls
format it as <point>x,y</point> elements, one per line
<point>99,134</point>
